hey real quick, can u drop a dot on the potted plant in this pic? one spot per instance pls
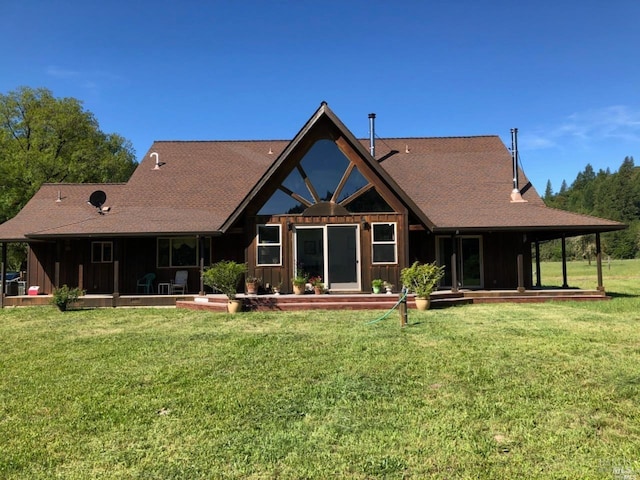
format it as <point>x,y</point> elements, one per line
<point>318,284</point>
<point>376,285</point>
<point>275,288</point>
<point>388,288</point>
<point>299,282</point>
<point>65,296</point>
<point>252,284</point>
<point>421,279</point>
<point>225,276</point>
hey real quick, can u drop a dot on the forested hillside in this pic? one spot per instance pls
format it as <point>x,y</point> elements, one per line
<point>603,194</point>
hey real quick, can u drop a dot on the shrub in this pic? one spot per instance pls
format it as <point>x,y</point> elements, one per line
<point>421,278</point>
<point>225,276</point>
<point>65,296</point>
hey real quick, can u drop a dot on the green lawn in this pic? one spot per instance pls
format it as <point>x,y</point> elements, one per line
<point>486,391</point>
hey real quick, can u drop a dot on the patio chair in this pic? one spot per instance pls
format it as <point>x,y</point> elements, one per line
<point>146,283</point>
<point>180,282</point>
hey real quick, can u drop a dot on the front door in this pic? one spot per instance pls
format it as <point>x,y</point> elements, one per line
<point>331,252</point>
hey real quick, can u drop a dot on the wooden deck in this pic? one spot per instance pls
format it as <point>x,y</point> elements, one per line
<point>439,299</point>
<point>356,301</point>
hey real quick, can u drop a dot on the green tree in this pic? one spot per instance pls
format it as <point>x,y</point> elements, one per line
<point>548,193</point>
<point>44,139</point>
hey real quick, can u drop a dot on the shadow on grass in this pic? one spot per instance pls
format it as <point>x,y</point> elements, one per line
<point>621,295</point>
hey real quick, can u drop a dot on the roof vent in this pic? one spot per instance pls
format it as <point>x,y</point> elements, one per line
<point>372,134</point>
<point>158,162</point>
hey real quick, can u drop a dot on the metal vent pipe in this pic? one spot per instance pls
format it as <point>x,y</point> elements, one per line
<point>514,157</point>
<point>372,134</point>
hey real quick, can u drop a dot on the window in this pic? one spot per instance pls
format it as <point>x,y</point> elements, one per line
<point>325,174</point>
<point>101,252</point>
<point>384,243</point>
<point>178,252</point>
<point>269,245</point>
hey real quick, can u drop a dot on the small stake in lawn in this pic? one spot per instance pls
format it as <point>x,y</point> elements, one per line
<point>402,304</point>
<point>402,308</point>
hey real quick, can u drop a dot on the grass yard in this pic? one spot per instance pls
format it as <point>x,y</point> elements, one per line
<point>549,391</point>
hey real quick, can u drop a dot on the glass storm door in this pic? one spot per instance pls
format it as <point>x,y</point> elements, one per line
<point>343,266</point>
<point>330,252</point>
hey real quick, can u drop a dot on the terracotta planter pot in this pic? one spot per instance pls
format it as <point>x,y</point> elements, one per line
<point>252,288</point>
<point>422,303</point>
<point>234,306</point>
<point>318,290</point>
<point>298,289</point>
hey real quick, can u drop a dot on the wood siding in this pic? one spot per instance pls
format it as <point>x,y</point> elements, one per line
<point>282,274</point>
<point>501,252</point>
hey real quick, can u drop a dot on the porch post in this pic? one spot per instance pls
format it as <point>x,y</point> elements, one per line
<point>538,274</point>
<point>81,276</point>
<point>3,272</point>
<point>56,265</point>
<point>454,265</point>
<point>201,248</point>
<point>599,262</point>
<point>116,283</point>
<point>564,262</point>
<point>520,262</point>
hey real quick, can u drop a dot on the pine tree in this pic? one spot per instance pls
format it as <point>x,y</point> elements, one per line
<point>548,193</point>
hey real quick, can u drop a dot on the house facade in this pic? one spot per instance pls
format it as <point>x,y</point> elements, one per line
<point>348,210</point>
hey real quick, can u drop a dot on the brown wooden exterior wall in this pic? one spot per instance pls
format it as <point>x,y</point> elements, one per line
<point>137,256</point>
<point>501,252</point>
<point>281,275</point>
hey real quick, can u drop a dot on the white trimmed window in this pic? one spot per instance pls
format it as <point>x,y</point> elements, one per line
<point>269,245</point>
<point>101,252</point>
<point>384,245</point>
<point>178,252</point>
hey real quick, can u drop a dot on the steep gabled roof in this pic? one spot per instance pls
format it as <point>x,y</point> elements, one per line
<point>325,122</point>
<point>203,187</point>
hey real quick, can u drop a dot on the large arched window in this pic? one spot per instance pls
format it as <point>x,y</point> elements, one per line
<point>325,176</point>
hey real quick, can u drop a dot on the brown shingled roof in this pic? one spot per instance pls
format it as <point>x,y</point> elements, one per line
<point>465,183</point>
<point>457,183</point>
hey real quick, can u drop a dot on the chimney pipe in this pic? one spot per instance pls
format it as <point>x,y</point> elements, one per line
<point>372,134</point>
<point>516,196</point>
<point>514,157</point>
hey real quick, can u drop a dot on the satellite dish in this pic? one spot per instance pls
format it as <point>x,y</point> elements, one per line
<point>98,198</point>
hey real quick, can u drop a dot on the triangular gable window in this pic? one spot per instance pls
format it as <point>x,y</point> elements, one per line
<point>325,175</point>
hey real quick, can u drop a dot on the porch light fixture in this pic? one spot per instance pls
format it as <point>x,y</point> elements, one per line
<point>289,225</point>
<point>365,224</point>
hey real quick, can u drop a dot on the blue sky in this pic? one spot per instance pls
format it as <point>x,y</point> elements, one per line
<point>564,72</point>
